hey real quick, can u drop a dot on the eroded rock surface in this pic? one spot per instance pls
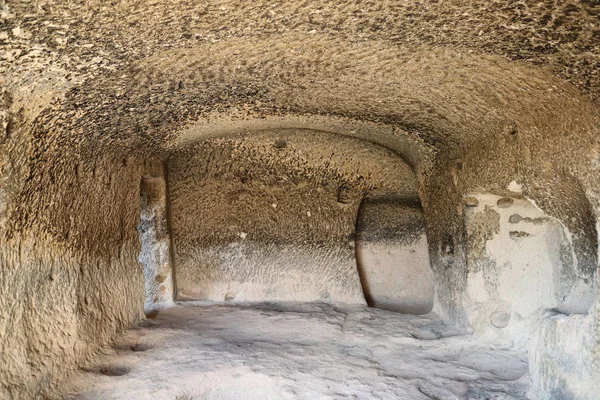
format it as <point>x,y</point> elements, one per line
<point>255,221</point>
<point>484,97</point>
<point>300,351</point>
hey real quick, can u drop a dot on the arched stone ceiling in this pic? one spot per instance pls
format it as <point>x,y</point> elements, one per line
<point>462,117</point>
<point>562,35</point>
<point>445,98</point>
<point>502,120</point>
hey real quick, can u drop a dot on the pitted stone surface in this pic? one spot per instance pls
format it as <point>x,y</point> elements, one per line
<point>474,97</point>
<point>257,222</point>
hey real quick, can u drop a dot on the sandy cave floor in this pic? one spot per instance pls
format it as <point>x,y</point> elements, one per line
<point>199,350</point>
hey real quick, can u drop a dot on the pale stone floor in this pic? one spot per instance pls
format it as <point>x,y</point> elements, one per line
<point>298,351</point>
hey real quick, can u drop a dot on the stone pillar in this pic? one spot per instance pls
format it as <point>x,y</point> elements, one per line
<point>392,254</point>
<point>155,254</point>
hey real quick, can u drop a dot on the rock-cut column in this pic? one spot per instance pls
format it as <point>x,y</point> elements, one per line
<point>392,254</point>
<point>155,254</point>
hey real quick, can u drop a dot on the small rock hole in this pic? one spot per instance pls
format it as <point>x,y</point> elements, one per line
<point>448,245</point>
<point>140,347</point>
<point>280,143</point>
<point>113,370</point>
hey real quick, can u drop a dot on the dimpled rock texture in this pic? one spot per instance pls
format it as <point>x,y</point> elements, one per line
<point>259,218</point>
<point>473,96</point>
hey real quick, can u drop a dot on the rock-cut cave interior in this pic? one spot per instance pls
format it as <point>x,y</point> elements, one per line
<point>299,199</point>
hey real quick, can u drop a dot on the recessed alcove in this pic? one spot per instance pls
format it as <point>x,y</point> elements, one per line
<point>272,216</point>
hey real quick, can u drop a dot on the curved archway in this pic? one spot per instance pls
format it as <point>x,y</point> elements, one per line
<point>253,211</point>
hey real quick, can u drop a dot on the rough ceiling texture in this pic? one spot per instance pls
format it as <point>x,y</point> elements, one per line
<point>473,95</point>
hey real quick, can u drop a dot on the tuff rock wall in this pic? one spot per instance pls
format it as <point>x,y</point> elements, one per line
<point>272,216</point>
<point>69,280</point>
<point>472,95</point>
<point>156,253</point>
